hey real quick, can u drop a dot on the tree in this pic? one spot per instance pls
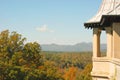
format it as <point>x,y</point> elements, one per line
<point>19,61</point>
<point>11,43</point>
<point>85,74</point>
<point>70,74</point>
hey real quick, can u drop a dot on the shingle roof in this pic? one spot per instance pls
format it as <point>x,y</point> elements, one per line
<point>109,12</point>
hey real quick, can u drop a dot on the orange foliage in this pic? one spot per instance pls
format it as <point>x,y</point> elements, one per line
<point>70,74</point>
<point>40,67</point>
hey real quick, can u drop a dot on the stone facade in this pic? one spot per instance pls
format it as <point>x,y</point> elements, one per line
<point>108,67</point>
<point>108,19</point>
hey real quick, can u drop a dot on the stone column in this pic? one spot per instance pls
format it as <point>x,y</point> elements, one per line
<point>96,42</point>
<point>109,41</point>
<point>116,40</point>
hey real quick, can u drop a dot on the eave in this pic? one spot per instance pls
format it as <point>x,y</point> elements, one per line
<point>106,21</point>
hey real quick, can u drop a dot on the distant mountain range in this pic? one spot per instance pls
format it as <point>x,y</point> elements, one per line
<point>80,47</point>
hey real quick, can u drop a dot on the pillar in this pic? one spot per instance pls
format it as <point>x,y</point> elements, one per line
<point>116,40</point>
<point>109,41</point>
<point>96,42</point>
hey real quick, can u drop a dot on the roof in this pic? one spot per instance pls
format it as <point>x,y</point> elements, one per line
<point>108,13</point>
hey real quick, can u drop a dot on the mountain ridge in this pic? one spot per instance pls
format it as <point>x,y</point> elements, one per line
<point>79,47</point>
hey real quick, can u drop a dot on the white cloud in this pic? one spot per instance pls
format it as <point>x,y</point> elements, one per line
<point>51,31</point>
<point>44,28</point>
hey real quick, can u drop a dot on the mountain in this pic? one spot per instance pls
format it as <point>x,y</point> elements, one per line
<point>79,47</point>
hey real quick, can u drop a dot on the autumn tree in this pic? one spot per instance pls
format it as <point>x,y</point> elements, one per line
<point>20,61</point>
<point>70,73</point>
<point>85,74</point>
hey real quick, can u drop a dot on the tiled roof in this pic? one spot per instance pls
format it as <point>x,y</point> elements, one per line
<point>108,9</point>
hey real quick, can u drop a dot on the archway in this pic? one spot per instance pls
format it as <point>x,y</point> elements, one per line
<point>103,46</point>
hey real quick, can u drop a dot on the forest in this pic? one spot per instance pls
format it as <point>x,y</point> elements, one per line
<point>21,60</point>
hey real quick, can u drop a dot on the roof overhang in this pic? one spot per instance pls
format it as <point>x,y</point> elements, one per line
<point>106,21</point>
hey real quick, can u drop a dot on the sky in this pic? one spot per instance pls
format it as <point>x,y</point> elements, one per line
<point>49,21</point>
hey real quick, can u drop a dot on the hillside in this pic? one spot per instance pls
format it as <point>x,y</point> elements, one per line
<point>79,47</point>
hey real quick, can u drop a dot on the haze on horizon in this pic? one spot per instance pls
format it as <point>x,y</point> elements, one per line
<point>49,21</point>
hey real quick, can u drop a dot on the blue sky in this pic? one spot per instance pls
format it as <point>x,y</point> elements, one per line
<point>49,21</point>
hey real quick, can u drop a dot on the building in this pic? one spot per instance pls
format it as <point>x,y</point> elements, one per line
<point>107,19</point>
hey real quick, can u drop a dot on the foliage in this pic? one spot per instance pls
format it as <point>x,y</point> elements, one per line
<point>19,61</point>
<point>25,61</point>
<point>73,65</point>
<point>70,74</point>
<point>85,74</point>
